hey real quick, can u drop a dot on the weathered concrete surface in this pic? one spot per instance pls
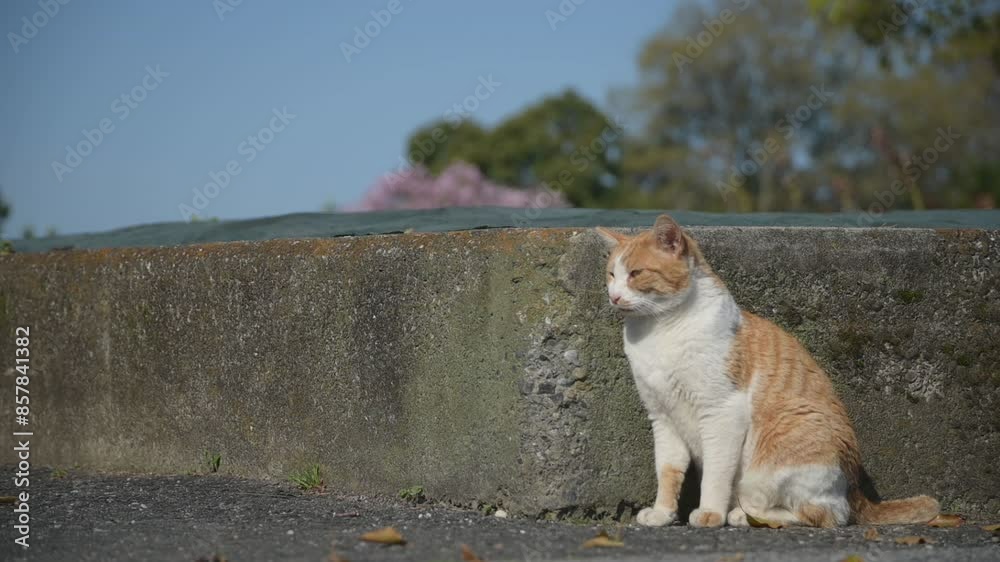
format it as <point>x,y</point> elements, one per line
<point>486,366</point>
<point>329,225</point>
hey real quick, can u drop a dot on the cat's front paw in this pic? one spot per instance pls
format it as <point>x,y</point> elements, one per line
<point>737,518</point>
<point>704,518</point>
<point>653,517</point>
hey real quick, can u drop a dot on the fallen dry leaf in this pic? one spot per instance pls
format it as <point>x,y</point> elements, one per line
<point>992,528</point>
<point>470,556</point>
<point>871,534</point>
<point>946,520</point>
<point>385,535</point>
<point>853,558</point>
<point>911,540</point>
<point>763,523</point>
<point>602,540</point>
<point>738,557</point>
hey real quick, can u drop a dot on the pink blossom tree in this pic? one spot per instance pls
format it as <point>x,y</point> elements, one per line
<point>459,185</point>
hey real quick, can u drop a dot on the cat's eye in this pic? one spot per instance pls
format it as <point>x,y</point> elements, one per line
<point>634,273</point>
<point>612,274</point>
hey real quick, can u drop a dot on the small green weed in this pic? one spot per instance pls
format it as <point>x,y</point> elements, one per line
<point>309,479</point>
<point>909,296</point>
<point>413,494</point>
<point>213,461</point>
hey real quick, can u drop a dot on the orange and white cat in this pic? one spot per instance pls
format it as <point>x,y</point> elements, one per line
<point>735,394</point>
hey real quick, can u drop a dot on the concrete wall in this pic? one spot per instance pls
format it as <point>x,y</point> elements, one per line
<point>485,365</point>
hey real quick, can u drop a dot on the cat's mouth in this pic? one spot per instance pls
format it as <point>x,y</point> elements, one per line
<point>624,307</point>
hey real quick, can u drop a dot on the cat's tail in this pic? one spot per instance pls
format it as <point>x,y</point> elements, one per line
<point>918,509</point>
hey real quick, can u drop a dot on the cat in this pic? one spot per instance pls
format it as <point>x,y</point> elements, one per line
<point>736,395</point>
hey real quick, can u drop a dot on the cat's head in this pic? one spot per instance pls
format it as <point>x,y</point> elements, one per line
<point>652,272</point>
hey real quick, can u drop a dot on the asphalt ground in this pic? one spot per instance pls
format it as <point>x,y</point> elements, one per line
<point>83,516</point>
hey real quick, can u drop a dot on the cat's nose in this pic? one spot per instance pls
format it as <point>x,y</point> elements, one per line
<point>615,299</point>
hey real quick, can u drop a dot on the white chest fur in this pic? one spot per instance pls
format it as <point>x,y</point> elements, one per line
<point>679,361</point>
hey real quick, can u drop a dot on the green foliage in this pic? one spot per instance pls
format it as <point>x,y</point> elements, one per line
<point>487,508</point>
<point>955,32</point>
<point>212,461</point>
<point>874,144</point>
<point>563,141</point>
<point>909,296</point>
<point>4,212</point>
<point>198,218</point>
<point>443,142</point>
<point>308,479</point>
<point>413,494</point>
<point>721,127</point>
<point>825,105</point>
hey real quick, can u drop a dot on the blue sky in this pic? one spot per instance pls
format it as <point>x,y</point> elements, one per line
<point>196,86</point>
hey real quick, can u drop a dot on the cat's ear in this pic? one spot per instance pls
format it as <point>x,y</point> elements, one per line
<point>669,235</point>
<point>610,237</point>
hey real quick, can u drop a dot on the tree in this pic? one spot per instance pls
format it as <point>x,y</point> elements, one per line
<point>4,211</point>
<point>438,144</point>
<point>915,31</point>
<point>772,106</point>
<point>458,185</point>
<point>736,107</point>
<point>563,142</point>
<point>941,70</point>
<point>766,109</point>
